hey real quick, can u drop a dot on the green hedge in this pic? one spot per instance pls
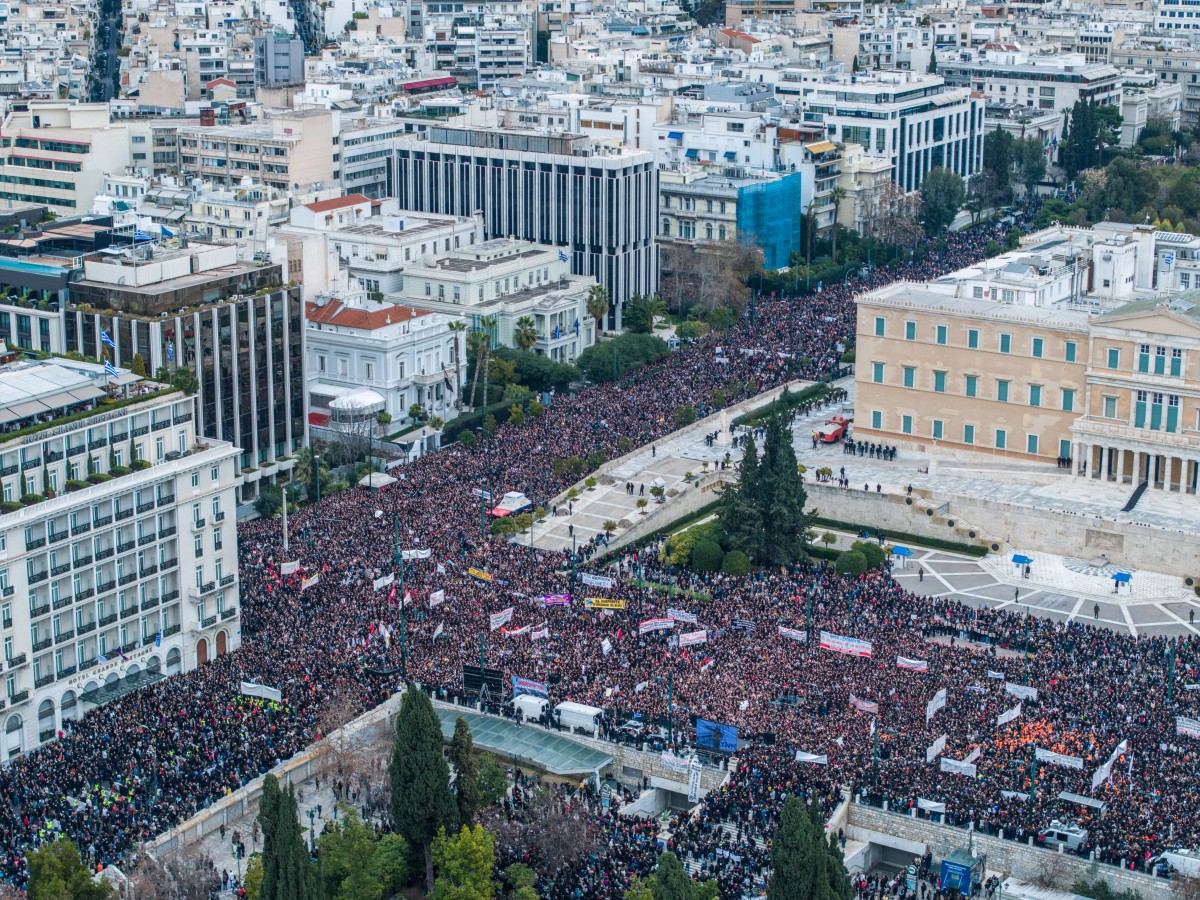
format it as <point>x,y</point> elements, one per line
<point>904,538</point>
<point>472,420</point>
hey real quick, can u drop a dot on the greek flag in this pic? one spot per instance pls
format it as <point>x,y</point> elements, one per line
<point>1168,259</point>
<point>170,350</point>
<point>167,232</point>
<point>101,659</point>
<point>562,256</point>
<point>557,332</point>
<point>158,639</point>
<point>110,371</point>
<point>576,327</point>
<point>105,339</point>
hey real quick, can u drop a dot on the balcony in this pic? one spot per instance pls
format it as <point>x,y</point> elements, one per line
<point>42,682</point>
<point>229,613</point>
<point>138,432</point>
<point>171,596</point>
<point>53,455</point>
<point>167,532</point>
<point>167,500</point>
<point>148,571</point>
<point>42,644</point>
<point>105,586</point>
<point>64,636</point>
<point>19,660</point>
<point>150,603</point>
<point>96,445</point>
<point>60,570</point>
<point>108,620</point>
<point>35,543</point>
<point>7,590</point>
<point>179,420</point>
<point>101,521</point>
<point>197,524</point>
<point>83,561</point>
<point>172,629</point>
<point>125,546</point>
<point>117,439</point>
<point>30,464</point>
<point>123,514</point>
<point>87,628</point>
<point>81,529</point>
<point>227,580</point>
<point>127,579</point>
<point>60,536</point>
<point>47,735</point>
<point>145,507</point>
<point>7,623</point>
<point>9,470</point>
<point>85,594</point>
<point>19,697</point>
<point>75,451</point>
<point>104,553</point>
<point>63,602</point>
<point>147,539</point>
<point>209,622</point>
<point>219,516</point>
<point>159,426</point>
<point>38,577</point>
<point>169,564</point>
<point>37,611</point>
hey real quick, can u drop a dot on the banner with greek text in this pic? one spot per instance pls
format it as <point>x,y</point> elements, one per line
<point>604,602</point>
<point>310,581</point>
<point>501,618</point>
<point>554,599</point>
<point>525,686</point>
<point>517,632</point>
<point>915,665</point>
<point>682,615</point>
<point>973,755</point>
<point>694,771</point>
<point>936,749</point>
<point>867,706</point>
<point>437,598</point>
<point>539,633</point>
<point>847,645</point>
<point>601,581</point>
<point>676,765</point>
<point>938,702</point>
<point>1057,759</point>
<point>1187,727</point>
<point>793,634</point>
<point>954,767</point>
<point>384,580</point>
<point>693,637</point>
<point>480,574</point>
<point>1009,715</point>
<point>1101,774</point>
<point>290,568</point>
<point>656,625</point>
<point>1020,690</point>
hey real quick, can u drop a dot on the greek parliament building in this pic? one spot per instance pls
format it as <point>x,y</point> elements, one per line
<point>600,203</point>
<point>118,551</point>
<point>1081,345</point>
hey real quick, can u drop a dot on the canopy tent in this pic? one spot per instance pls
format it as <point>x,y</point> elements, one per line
<point>1020,560</point>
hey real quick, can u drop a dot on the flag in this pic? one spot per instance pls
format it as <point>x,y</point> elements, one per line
<point>105,339</point>
<point>576,327</point>
<point>158,639</point>
<point>110,370</point>
<point>446,379</point>
<point>437,633</point>
<point>121,653</point>
<point>170,350</point>
<point>562,256</point>
<point>101,659</point>
<point>557,332</point>
<point>167,232</point>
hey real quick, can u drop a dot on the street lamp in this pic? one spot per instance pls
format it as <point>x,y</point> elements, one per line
<point>317,469</point>
<point>403,621</point>
<point>312,832</point>
<point>239,851</point>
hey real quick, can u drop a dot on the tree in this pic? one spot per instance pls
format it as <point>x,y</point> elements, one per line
<point>493,783</point>
<point>421,799</point>
<point>356,861</point>
<point>707,556</point>
<point>850,563</point>
<point>798,871</point>
<point>268,821</point>
<point>670,881</point>
<point>932,67</point>
<point>781,494</point>
<point>457,327</point>
<point>254,877</point>
<point>520,882</point>
<point>641,311</point>
<point>464,865</point>
<point>740,512</point>
<point>941,197</point>
<point>1030,159</point>
<point>597,306</point>
<point>466,774</point>
<point>383,419</point>
<point>311,471</point>
<point>478,345</point>
<point>997,167</point>
<point>736,563</point>
<point>525,333</point>
<point>598,362</point>
<point>138,366</point>
<point>57,872</point>
<point>269,500</point>
<point>836,196</point>
<point>287,872</point>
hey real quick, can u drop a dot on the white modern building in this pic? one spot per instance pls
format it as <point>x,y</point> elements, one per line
<point>369,357</point>
<point>118,552</point>
<point>1006,73</point>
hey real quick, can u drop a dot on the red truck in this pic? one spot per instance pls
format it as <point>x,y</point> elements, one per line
<point>833,430</point>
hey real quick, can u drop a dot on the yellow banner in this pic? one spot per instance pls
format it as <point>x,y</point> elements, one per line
<point>480,574</point>
<point>603,603</point>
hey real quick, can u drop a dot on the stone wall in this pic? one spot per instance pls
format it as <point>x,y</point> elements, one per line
<point>866,823</point>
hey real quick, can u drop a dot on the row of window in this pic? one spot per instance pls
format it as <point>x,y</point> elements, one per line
<point>972,435</point>
<point>1037,345</point>
<point>1003,393</point>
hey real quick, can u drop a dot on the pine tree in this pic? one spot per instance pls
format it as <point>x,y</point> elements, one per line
<point>466,783</point>
<point>671,881</point>
<point>798,874</point>
<point>268,820</point>
<point>782,495</point>
<point>421,799</point>
<point>839,881</point>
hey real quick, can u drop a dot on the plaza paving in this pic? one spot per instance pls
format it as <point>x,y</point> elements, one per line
<point>1058,587</point>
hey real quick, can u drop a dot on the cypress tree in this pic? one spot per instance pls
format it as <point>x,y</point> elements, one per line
<point>839,881</point>
<point>268,820</point>
<point>466,774</point>
<point>797,874</point>
<point>295,868</point>
<point>740,516</point>
<point>421,798</point>
<point>671,880</point>
<point>782,494</point>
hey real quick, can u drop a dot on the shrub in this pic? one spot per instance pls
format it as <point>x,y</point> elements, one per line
<point>467,439</point>
<point>9,505</point>
<point>707,556</point>
<point>597,459</point>
<point>99,478</point>
<point>74,484</point>
<point>736,563</point>
<point>642,503</point>
<point>536,408</point>
<point>609,526</point>
<point>871,552</point>
<point>591,482</point>
<point>851,563</point>
<point>504,527</point>
<point>119,471</point>
<point>30,499</point>
<point>139,464</point>
<point>489,424</point>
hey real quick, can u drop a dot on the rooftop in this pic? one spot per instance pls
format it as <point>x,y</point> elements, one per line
<point>337,203</point>
<point>545,750</point>
<point>914,295</point>
<point>368,317</point>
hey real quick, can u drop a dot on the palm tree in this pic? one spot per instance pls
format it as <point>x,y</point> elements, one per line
<point>477,346</point>
<point>597,306</point>
<point>658,310</point>
<point>525,334</point>
<point>837,195</point>
<point>457,327</point>
<point>489,327</point>
<point>810,222</point>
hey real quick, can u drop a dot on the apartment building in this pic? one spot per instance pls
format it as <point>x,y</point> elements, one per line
<point>1005,73</point>
<point>1174,60</point>
<point>119,563</point>
<point>57,154</point>
<point>278,60</point>
<point>600,204</point>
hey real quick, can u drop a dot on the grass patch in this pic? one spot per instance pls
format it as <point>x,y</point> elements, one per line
<point>904,537</point>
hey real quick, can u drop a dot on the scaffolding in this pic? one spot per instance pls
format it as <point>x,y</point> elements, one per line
<point>769,216</point>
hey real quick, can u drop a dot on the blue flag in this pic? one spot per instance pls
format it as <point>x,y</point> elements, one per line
<point>562,256</point>
<point>110,371</point>
<point>105,339</point>
<point>158,639</point>
<point>167,232</point>
<point>170,350</point>
<point>576,327</point>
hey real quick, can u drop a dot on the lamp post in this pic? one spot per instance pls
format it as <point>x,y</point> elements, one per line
<point>317,469</point>
<point>808,613</point>
<point>1171,669</point>
<point>572,564</point>
<point>312,831</point>
<point>399,561</point>
<point>238,852</point>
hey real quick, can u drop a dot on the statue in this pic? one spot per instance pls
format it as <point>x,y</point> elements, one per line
<point>725,437</point>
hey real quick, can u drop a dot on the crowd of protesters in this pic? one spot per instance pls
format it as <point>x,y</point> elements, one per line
<point>131,769</point>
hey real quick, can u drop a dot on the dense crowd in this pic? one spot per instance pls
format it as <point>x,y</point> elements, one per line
<point>142,763</point>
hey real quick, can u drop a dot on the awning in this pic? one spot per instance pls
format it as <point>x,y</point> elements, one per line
<point>59,400</point>
<point>692,154</point>
<point>1122,578</point>
<point>30,408</point>
<point>1021,560</point>
<point>731,154</point>
<point>901,551</point>
<point>84,394</point>
<point>675,135</point>
<point>820,147</point>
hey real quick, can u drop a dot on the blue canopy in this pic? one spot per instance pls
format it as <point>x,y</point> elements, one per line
<point>901,551</point>
<point>1122,578</point>
<point>692,153</point>
<point>1021,560</point>
<point>675,135</point>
